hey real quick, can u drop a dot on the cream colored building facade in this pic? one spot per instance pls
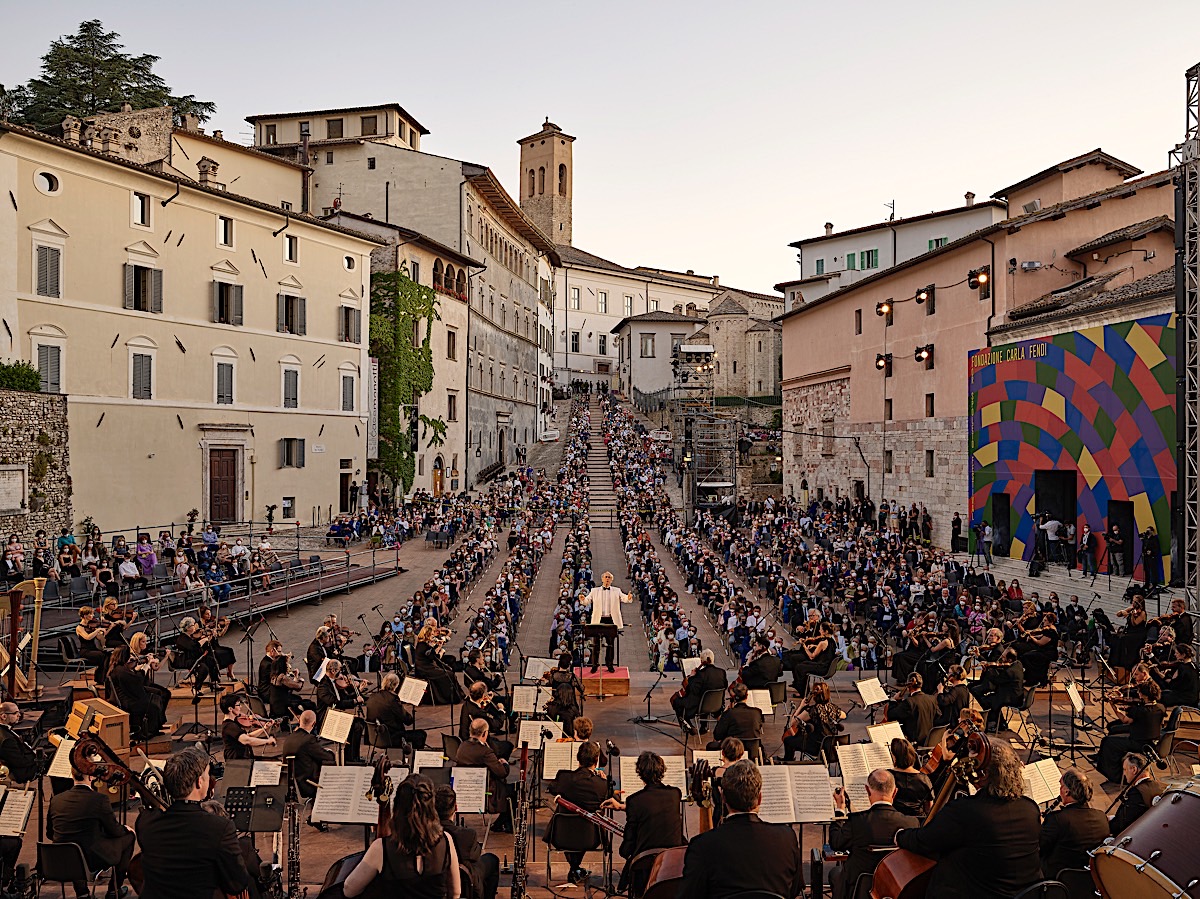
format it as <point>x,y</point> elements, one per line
<point>212,346</point>
<point>324,129</point>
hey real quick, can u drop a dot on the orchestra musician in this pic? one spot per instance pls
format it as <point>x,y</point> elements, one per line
<point>952,696</point>
<point>1070,832</point>
<point>914,789</point>
<point>812,655</point>
<point>583,728</point>
<point>858,832</point>
<point>915,709</point>
<point>318,651</point>
<point>744,853</point>
<point>237,738</point>
<point>475,670</point>
<point>286,683</point>
<point>385,708</point>
<point>566,692</point>
<point>739,720</point>
<point>1002,686</point>
<point>1144,718</point>
<point>1178,678</point>
<point>194,651</point>
<point>148,664</point>
<point>92,636</point>
<point>686,702</point>
<point>763,667</point>
<point>813,721</point>
<point>585,787</point>
<point>433,666</point>
<point>216,628</point>
<point>189,852</point>
<point>1141,789</point>
<point>1039,649</point>
<point>339,690</point>
<point>919,638</point>
<point>15,753</point>
<point>605,604</point>
<point>147,712</point>
<point>1179,621</point>
<point>653,818</point>
<point>476,753</point>
<point>485,868</point>
<point>262,686</point>
<point>84,817</point>
<point>986,845</point>
<point>1133,637</point>
<point>114,621</point>
<point>479,704</point>
<point>302,745</point>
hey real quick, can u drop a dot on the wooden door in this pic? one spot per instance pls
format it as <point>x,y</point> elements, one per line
<point>222,484</point>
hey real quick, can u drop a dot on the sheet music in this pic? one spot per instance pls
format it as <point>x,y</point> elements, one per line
<point>336,726</point>
<point>470,786</point>
<point>412,690</point>
<point>341,796</point>
<point>1076,699</point>
<point>427,758</point>
<point>60,765</point>
<point>689,665</point>
<point>812,793</point>
<point>857,761</point>
<point>871,690</point>
<point>535,667</point>
<point>558,757</point>
<point>676,775</point>
<point>319,674</point>
<point>531,732</point>
<point>266,773</point>
<point>760,699</point>
<point>886,732</point>
<point>530,700</point>
<point>712,756</point>
<point>14,815</point>
<point>1042,780</point>
<point>777,805</point>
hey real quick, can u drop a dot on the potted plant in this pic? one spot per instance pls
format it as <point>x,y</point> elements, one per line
<point>271,517</point>
<point>191,517</point>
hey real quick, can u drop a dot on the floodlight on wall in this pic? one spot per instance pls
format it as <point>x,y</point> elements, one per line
<point>883,308</point>
<point>924,353</point>
<point>925,293</point>
<point>882,360</point>
<point>977,277</point>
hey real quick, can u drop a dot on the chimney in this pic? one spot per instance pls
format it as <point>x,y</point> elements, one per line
<point>208,172</point>
<point>108,140</point>
<point>828,228</point>
<point>218,135</point>
<point>716,280</point>
<point>70,129</point>
<point>191,121</point>
<point>125,107</point>
<point>970,198</point>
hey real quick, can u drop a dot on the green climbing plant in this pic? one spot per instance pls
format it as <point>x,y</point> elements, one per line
<point>402,316</point>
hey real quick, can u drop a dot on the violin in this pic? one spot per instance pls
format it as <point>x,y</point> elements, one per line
<point>255,721</point>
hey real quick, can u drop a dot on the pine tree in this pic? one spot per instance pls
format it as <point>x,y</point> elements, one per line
<point>88,72</point>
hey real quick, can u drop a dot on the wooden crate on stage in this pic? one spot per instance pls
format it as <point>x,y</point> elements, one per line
<point>615,684</point>
<point>110,722</point>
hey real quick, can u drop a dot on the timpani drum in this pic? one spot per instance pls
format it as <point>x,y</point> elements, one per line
<point>1154,857</point>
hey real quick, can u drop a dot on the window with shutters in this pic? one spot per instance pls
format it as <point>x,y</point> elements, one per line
<point>49,271</point>
<point>349,324</point>
<point>451,407</point>
<point>49,362</point>
<point>291,453</point>
<point>224,231</point>
<point>348,393</point>
<point>574,297</point>
<point>602,347</point>
<point>291,315</point>
<point>820,266</point>
<point>291,388</point>
<point>628,305</point>
<point>140,209</point>
<point>602,301</point>
<point>224,383</point>
<point>227,305</point>
<point>143,288</point>
<point>142,387</point>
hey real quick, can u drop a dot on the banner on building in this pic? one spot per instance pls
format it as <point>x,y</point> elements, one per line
<point>373,410</point>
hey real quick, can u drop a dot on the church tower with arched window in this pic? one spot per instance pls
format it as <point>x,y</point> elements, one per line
<point>546,175</point>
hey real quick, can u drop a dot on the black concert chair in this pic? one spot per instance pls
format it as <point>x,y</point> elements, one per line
<point>862,886</point>
<point>467,887</point>
<point>753,748</point>
<point>1166,742</point>
<point>1078,882</point>
<point>1044,889</point>
<point>63,863</point>
<point>778,692</point>
<point>569,832</point>
<point>711,705</point>
<point>450,744</point>
<point>73,663</point>
<point>1025,726</point>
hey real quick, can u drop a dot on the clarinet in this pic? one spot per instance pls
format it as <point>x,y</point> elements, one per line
<point>292,804</point>
<point>520,828</point>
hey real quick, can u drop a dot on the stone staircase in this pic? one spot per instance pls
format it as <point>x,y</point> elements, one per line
<point>602,505</point>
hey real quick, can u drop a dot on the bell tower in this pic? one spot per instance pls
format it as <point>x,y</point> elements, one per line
<point>546,177</point>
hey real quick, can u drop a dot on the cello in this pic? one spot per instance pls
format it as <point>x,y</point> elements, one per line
<point>666,874</point>
<point>904,874</point>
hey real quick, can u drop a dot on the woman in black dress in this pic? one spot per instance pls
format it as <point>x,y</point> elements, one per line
<point>1133,637</point>
<point>914,790</point>
<point>435,668</point>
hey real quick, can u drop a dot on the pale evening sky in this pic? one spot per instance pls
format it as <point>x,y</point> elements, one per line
<point>709,134</point>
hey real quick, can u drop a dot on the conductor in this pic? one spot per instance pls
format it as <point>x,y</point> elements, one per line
<point>605,602</point>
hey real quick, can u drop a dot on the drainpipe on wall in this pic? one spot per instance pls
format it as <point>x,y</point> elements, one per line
<point>992,292</point>
<point>305,175</point>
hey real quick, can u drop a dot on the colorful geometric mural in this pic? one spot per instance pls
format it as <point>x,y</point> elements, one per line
<point>1100,402</point>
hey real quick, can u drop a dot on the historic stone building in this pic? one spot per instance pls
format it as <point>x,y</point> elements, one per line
<point>748,343</point>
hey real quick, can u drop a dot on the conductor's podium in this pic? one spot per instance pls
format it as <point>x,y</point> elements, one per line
<point>602,682</point>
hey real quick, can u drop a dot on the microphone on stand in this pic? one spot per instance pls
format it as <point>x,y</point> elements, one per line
<point>613,748</point>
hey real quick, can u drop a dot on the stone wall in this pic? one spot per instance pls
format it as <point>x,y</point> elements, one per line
<point>34,464</point>
<point>832,464</point>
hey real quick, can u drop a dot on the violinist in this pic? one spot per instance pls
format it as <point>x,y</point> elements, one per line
<point>1144,718</point>
<point>475,670</point>
<point>812,655</point>
<point>1178,678</point>
<point>1041,650</point>
<point>952,696</point>
<point>1179,620</point>
<point>91,636</point>
<point>194,651</point>
<point>216,628</point>
<point>262,685</point>
<point>241,732</point>
<point>861,831</point>
<point>815,719</point>
<point>146,712</point>
<point>986,845</point>
<point>1133,637</point>
<point>763,667</point>
<point>1003,687</point>
<point>914,709</point>
<point>339,690</point>
<point>566,699</point>
<point>319,650</point>
<point>286,682</point>
<point>917,642</point>
<point>480,703</point>
<point>433,666</point>
<point>706,677</point>
<point>115,620</point>
<point>914,789</point>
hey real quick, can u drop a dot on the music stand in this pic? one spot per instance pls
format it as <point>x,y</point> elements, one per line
<point>602,631</point>
<point>249,640</point>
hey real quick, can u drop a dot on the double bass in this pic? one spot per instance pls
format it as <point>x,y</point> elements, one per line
<point>904,874</point>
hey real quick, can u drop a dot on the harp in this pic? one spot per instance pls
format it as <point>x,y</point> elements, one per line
<point>18,685</point>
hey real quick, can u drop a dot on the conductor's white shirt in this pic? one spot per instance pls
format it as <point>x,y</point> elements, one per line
<point>606,601</point>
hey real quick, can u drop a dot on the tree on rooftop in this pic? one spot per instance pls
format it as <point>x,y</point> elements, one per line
<point>89,72</point>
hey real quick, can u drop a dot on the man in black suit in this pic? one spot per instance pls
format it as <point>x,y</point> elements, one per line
<point>986,845</point>
<point>1140,793</point>
<point>310,755</point>
<point>485,868</point>
<point>704,679</point>
<point>766,668</point>
<point>1000,687</point>
<point>318,651</point>
<point>187,852</point>
<point>743,853</point>
<point>587,789</point>
<point>477,753</point>
<point>384,706</point>
<point>862,830</point>
<point>475,671</point>
<point>15,753</point>
<point>653,819</point>
<point>916,712</point>
<point>1068,833</point>
<point>739,720</point>
<point>83,816</point>
<point>478,703</point>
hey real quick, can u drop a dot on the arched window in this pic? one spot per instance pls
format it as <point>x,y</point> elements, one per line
<point>562,180</point>
<point>541,179</point>
<point>460,285</point>
<point>437,273</point>
<point>532,183</point>
<point>470,220</point>
<point>449,279</point>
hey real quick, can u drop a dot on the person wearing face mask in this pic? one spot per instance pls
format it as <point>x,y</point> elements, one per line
<point>763,668</point>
